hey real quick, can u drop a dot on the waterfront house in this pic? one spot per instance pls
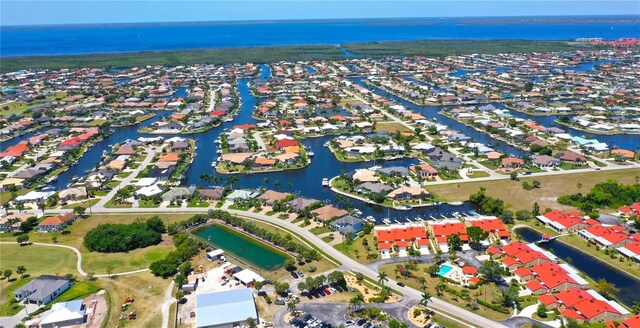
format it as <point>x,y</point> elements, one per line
<point>442,231</point>
<point>270,197</point>
<point>376,187</point>
<point>299,203</point>
<point>43,290</point>
<point>493,226</point>
<point>327,213</point>
<point>178,193</point>
<point>605,237</point>
<point>405,192</point>
<point>563,222</point>
<point>584,305</point>
<point>424,171</point>
<point>631,250</point>
<point>401,237</point>
<point>555,278</point>
<point>213,193</point>
<point>348,224</point>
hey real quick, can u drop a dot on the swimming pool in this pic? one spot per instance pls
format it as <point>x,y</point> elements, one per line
<point>444,269</point>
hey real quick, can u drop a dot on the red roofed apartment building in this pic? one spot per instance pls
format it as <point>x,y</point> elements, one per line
<point>493,226</point>
<point>633,209</point>
<point>630,322</point>
<point>607,237</point>
<point>519,255</point>
<point>553,277</point>
<point>563,222</point>
<point>442,231</point>
<point>584,305</point>
<point>631,250</point>
<point>402,237</point>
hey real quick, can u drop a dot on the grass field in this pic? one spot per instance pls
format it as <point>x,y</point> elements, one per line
<point>551,187</point>
<point>58,261</point>
<point>147,290</point>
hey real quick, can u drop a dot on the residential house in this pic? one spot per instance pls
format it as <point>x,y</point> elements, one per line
<point>56,223</point>
<point>43,290</point>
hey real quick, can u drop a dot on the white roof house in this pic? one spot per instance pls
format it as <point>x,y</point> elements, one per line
<point>242,194</point>
<point>64,314</point>
<point>247,276</point>
<point>225,309</point>
<point>34,196</point>
<point>145,182</point>
<point>149,191</point>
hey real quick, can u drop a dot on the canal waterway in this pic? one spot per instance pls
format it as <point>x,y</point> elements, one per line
<point>305,182</point>
<point>592,267</point>
<point>242,247</point>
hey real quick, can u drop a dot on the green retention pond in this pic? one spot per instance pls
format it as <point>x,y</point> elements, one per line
<point>242,247</point>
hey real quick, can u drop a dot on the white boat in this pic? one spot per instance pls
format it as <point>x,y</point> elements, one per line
<point>214,164</point>
<point>310,154</point>
<point>230,119</point>
<point>403,208</point>
<point>458,203</point>
<point>325,182</point>
<point>386,221</point>
<point>370,219</point>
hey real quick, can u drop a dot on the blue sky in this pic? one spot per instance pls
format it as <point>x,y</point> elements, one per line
<point>28,12</point>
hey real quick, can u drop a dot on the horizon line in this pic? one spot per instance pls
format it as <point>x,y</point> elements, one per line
<point>267,21</point>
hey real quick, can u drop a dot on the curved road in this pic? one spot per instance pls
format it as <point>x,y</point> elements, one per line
<point>79,261</point>
<point>410,295</point>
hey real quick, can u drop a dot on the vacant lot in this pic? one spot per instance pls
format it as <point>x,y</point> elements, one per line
<point>391,127</point>
<point>551,187</point>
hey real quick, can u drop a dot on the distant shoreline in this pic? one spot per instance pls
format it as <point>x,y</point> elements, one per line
<point>488,20</point>
<point>270,54</point>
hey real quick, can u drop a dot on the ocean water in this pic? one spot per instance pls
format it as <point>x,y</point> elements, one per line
<point>87,39</point>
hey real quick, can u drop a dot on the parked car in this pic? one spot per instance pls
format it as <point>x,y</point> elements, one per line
<point>279,302</point>
<point>400,284</point>
<point>349,322</point>
<point>361,322</point>
<point>326,291</point>
<point>294,275</point>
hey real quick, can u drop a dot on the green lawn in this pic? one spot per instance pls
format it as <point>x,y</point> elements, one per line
<point>59,261</point>
<point>84,204</point>
<point>477,174</point>
<point>110,204</point>
<point>146,203</point>
<point>320,230</point>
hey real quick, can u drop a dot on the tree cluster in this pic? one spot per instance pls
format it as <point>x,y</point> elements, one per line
<point>112,238</point>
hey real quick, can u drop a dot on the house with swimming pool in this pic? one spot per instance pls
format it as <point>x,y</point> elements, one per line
<point>398,239</point>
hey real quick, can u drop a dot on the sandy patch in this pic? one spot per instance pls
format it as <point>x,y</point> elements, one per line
<point>419,320</point>
<point>367,292</point>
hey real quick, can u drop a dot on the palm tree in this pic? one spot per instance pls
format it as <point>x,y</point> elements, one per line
<point>289,184</point>
<point>382,278</point>
<point>356,301</point>
<point>422,281</point>
<point>266,180</point>
<point>440,287</point>
<point>291,306</point>
<point>426,298</point>
<point>277,184</point>
<point>579,185</point>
